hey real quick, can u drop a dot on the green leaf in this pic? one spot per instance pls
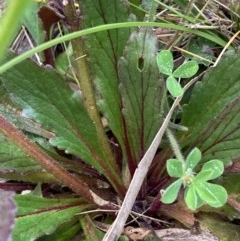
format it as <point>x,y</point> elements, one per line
<point>186,70</point>
<point>193,158</point>
<point>33,24</point>
<point>15,164</point>
<point>174,87</point>
<point>165,62</point>
<point>213,113</point>
<point>191,198</point>
<point>45,97</point>
<point>216,167</point>
<point>138,12</point>
<point>174,168</point>
<point>213,194</point>
<point>202,176</point>
<point>62,64</point>
<point>201,47</point>
<point>15,116</point>
<point>170,194</point>
<point>14,159</point>
<point>10,22</point>
<point>103,51</point>
<point>40,216</point>
<point>141,89</point>
<point>90,230</point>
<point>66,231</point>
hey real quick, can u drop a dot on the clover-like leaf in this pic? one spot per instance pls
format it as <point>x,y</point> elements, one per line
<point>186,70</point>
<point>192,199</point>
<point>203,176</point>
<point>174,168</point>
<point>210,170</point>
<point>213,194</point>
<point>193,158</point>
<point>165,62</point>
<point>174,87</point>
<point>170,194</point>
<point>216,166</point>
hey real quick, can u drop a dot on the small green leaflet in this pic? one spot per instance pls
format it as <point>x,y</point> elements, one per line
<point>186,70</point>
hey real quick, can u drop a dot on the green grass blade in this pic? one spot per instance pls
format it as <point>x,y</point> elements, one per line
<point>105,27</point>
<point>10,22</point>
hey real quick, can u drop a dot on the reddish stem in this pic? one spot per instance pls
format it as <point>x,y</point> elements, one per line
<point>48,163</point>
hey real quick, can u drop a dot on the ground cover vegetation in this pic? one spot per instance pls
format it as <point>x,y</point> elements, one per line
<point>119,120</point>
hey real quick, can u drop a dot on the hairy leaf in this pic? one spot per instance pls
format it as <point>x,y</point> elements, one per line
<point>46,98</point>
<point>213,113</point>
<point>141,89</point>
<point>7,209</point>
<point>103,50</point>
<point>39,216</point>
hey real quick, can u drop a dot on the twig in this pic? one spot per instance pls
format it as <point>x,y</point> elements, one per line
<point>226,47</point>
<point>116,229</point>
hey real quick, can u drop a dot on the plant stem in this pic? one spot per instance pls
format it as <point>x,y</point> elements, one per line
<point>86,85</point>
<point>49,164</point>
<point>175,146</point>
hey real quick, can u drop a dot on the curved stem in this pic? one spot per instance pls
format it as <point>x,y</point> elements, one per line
<point>105,27</point>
